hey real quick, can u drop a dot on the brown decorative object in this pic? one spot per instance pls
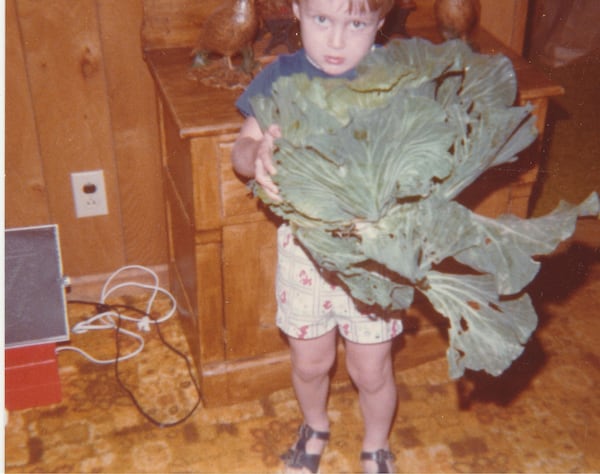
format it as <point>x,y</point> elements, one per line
<point>395,21</point>
<point>277,21</point>
<point>229,30</point>
<point>456,19</point>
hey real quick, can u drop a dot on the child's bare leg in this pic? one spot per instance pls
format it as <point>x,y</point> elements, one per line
<point>311,362</point>
<point>371,369</point>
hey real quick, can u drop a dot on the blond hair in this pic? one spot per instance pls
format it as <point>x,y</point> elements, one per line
<point>383,6</point>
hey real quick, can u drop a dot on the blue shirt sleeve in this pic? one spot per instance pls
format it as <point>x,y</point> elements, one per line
<point>260,85</point>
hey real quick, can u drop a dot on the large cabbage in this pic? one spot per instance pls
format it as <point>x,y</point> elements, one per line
<point>369,169</point>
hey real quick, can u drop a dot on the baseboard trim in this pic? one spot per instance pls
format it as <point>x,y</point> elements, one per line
<point>89,287</point>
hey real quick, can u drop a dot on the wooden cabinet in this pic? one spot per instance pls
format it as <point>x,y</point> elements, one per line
<point>222,243</point>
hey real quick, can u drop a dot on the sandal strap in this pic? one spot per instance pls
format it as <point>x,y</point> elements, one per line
<point>381,457</point>
<point>297,457</point>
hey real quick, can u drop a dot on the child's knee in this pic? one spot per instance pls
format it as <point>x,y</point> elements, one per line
<point>370,378</point>
<point>367,381</point>
<point>308,367</point>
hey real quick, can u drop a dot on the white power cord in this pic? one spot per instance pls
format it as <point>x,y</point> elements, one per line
<point>110,319</point>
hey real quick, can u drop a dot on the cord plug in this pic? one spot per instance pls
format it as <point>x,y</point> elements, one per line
<point>144,324</point>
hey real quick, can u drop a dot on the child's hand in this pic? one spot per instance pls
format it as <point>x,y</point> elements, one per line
<point>263,165</point>
<point>252,155</point>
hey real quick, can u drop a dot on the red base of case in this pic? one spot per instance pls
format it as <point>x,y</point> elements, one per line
<point>31,377</point>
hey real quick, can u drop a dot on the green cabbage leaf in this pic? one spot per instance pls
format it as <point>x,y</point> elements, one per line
<point>369,171</point>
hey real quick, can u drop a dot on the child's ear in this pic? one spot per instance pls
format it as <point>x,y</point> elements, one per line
<point>296,9</point>
<point>381,22</point>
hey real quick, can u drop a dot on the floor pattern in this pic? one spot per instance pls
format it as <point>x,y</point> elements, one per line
<point>542,415</point>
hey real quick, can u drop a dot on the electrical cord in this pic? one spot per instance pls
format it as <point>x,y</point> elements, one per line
<point>132,396</point>
<point>111,316</point>
<point>106,317</point>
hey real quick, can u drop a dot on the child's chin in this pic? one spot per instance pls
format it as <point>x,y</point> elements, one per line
<point>334,70</point>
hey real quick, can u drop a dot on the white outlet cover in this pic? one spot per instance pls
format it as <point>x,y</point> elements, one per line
<point>89,193</point>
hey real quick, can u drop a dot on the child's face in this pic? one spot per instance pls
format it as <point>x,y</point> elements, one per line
<point>336,39</point>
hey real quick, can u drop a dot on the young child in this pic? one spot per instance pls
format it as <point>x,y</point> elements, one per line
<point>336,36</point>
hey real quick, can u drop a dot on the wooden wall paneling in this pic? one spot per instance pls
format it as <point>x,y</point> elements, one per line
<point>174,23</point>
<point>506,20</point>
<point>68,86</point>
<point>25,190</point>
<point>134,124</point>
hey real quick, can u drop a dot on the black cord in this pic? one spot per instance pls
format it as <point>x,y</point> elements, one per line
<point>102,308</point>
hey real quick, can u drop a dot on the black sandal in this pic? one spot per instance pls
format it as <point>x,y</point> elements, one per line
<point>381,457</point>
<point>297,457</point>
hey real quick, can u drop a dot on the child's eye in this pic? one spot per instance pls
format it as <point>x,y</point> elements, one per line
<point>320,20</point>
<point>358,25</point>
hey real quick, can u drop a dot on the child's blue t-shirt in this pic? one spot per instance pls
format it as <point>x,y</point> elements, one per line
<point>284,65</point>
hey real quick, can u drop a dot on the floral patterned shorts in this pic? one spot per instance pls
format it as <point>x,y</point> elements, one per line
<point>308,306</point>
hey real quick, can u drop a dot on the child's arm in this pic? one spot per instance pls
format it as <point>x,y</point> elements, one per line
<point>252,155</point>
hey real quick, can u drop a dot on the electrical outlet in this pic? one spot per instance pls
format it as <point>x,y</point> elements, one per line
<point>89,193</point>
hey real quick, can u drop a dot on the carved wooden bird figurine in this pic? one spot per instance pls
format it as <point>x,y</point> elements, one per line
<point>229,30</point>
<point>456,18</point>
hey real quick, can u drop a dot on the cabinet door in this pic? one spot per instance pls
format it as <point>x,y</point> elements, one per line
<point>238,203</point>
<point>249,261</point>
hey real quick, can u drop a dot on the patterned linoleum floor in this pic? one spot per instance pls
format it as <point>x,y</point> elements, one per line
<point>542,415</point>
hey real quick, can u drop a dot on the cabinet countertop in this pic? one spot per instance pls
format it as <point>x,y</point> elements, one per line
<point>200,110</point>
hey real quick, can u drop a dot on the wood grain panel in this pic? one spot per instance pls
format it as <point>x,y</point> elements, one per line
<point>210,302</point>
<point>174,23</point>
<point>25,191</point>
<point>207,201</point>
<point>249,257</point>
<point>506,20</point>
<point>182,285</point>
<point>197,109</point>
<point>68,87</point>
<point>237,198</point>
<point>134,128</point>
<point>178,162</point>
